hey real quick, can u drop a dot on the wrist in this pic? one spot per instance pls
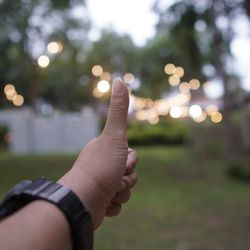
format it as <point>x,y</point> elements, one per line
<point>87,191</point>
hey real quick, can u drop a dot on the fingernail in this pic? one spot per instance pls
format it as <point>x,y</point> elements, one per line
<point>118,87</point>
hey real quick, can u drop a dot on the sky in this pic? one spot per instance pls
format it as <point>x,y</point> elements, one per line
<point>136,18</point>
<point>130,16</point>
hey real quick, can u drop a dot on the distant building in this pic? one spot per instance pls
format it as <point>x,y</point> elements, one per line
<point>57,133</point>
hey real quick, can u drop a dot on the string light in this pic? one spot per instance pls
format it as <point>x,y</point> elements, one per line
<point>18,100</point>
<point>194,84</point>
<point>8,87</point>
<point>43,61</point>
<point>96,93</point>
<point>11,94</point>
<point>175,112</point>
<point>184,87</point>
<point>161,107</point>
<point>176,106</point>
<point>201,118</point>
<point>149,103</point>
<point>153,120</point>
<point>103,86</point>
<point>139,103</point>
<point>54,47</point>
<point>128,78</point>
<point>141,115</point>
<point>216,117</point>
<point>210,109</point>
<point>97,70</point>
<point>195,111</point>
<point>169,68</point>
<point>179,71</point>
<point>106,76</point>
<point>184,111</point>
<point>174,80</point>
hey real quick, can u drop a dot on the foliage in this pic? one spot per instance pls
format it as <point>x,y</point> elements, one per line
<point>150,61</point>
<point>26,28</point>
<point>3,131</point>
<point>239,171</point>
<point>168,132</point>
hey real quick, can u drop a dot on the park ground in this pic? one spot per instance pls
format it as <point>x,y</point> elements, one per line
<point>180,203</point>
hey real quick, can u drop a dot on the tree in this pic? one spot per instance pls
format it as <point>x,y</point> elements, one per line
<point>26,27</point>
<point>210,46</point>
<point>115,53</point>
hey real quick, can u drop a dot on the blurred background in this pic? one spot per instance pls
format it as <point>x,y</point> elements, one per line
<point>186,64</point>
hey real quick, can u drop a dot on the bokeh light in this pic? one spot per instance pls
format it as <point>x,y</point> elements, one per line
<point>43,61</point>
<point>184,111</point>
<point>169,68</point>
<point>184,87</point>
<point>153,120</point>
<point>18,100</point>
<point>11,95</point>
<point>210,109</point>
<point>54,47</point>
<point>128,78</point>
<point>103,86</point>
<point>96,93</point>
<point>106,76</point>
<point>141,115</point>
<point>97,70</point>
<point>161,107</point>
<point>216,117</point>
<point>149,103</point>
<point>174,80</point>
<point>179,71</point>
<point>201,118</point>
<point>194,84</point>
<point>175,112</point>
<point>139,103</point>
<point>195,111</point>
<point>8,87</point>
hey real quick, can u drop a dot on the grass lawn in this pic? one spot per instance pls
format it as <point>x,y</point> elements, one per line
<point>180,203</point>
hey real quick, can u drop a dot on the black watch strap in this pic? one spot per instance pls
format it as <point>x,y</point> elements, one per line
<point>62,197</point>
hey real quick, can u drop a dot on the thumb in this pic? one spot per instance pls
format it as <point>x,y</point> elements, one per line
<point>116,123</point>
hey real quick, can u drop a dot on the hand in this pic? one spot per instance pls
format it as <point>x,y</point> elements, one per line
<point>103,174</point>
<point>129,179</point>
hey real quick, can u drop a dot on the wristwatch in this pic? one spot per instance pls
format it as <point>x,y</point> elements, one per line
<point>42,189</point>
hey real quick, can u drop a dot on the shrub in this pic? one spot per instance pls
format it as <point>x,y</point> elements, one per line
<point>239,171</point>
<point>165,132</point>
<point>3,131</point>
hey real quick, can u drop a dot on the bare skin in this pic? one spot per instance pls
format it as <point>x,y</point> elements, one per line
<point>102,177</point>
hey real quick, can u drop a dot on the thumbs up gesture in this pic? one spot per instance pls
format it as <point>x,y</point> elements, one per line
<point>103,173</point>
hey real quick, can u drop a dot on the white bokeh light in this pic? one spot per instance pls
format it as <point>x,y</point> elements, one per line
<point>103,86</point>
<point>175,112</point>
<point>195,111</point>
<point>213,89</point>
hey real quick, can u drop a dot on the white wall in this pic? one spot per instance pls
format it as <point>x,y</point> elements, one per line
<point>60,132</point>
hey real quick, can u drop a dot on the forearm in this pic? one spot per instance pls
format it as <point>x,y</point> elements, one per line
<point>39,225</point>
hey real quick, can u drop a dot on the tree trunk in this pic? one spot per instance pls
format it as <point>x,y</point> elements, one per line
<point>218,54</point>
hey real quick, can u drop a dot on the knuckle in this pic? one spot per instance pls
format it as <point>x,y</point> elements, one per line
<point>119,135</point>
<point>117,105</point>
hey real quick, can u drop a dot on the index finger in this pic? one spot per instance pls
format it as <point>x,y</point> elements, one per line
<point>131,161</point>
